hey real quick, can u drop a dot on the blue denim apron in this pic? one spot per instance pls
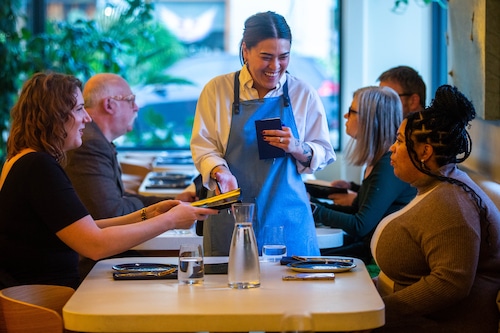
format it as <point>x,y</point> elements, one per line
<point>274,185</point>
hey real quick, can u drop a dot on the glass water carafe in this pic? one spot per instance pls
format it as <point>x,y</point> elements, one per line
<point>243,270</point>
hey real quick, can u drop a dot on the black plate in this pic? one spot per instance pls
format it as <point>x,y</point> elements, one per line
<point>321,266</point>
<point>167,176</point>
<point>144,271</point>
<point>167,185</point>
<point>320,191</point>
<point>143,267</point>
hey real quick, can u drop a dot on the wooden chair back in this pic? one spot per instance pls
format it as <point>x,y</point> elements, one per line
<point>33,308</point>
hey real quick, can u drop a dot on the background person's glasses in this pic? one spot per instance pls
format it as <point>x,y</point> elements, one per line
<point>351,111</point>
<point>130,99</point>
<point>405,94</point>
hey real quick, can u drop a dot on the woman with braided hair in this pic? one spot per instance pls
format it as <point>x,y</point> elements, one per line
<point>440,255</point>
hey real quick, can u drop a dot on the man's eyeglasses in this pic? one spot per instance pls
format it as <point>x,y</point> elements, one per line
<point>351,111</point>
<point>405,94</point>
<point>130,99</point>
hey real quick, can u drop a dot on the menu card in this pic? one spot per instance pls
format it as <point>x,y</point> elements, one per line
<point>322,188</point>
<point>266,150</point>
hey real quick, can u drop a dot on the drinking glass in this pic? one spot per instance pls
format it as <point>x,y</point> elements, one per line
<point>190,269</point>
<point>273,248</point>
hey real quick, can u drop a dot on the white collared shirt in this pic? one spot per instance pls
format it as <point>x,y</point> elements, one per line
<point>212,122</point>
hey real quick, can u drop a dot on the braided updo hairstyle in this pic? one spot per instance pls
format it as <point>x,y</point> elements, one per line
<point>443,125</point>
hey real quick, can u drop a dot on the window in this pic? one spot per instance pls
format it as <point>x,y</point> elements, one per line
<point>207,35</point>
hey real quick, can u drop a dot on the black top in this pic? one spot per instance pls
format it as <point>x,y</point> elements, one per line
<point>36,201</point>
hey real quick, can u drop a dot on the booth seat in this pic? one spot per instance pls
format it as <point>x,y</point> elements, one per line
<point>490,187</point>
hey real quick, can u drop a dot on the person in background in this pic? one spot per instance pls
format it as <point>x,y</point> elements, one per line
<point>44,225</point>
<point>94,168</point>
<point>411,89</point>
<point>440,255</point>
<point>409,85</point>
<point>224,139</point>
<point>372,121</point>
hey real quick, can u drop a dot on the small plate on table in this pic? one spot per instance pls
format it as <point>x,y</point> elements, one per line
<point>144,271</point>
<point>143,267</point>
<point>321,266</point>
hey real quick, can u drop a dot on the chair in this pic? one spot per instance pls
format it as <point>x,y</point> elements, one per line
<point>491,188</point>
<point>498,305</point>
<point>133,173</point>
<point>33,308</point>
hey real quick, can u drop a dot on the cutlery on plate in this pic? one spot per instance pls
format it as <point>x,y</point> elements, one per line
<point>325,260</point>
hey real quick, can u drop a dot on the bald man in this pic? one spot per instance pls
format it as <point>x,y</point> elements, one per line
<point>408,84</point>
<point>93,168</point>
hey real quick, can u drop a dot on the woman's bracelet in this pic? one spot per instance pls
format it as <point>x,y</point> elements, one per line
<point>143,214</point>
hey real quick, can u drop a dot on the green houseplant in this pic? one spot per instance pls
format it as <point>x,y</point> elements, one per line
<point>10,66</point>
<point>129,42</point>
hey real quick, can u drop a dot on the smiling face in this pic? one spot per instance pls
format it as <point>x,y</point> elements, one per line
<point>267,62</point>
<point>75,124</point>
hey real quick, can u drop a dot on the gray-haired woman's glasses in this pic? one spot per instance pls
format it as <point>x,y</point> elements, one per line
<point>351,111</point>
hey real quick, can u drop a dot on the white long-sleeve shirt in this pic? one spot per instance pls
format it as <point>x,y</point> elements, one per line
<point>212,122</point>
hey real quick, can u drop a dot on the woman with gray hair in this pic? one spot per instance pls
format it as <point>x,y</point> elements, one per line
<point>372,122</point>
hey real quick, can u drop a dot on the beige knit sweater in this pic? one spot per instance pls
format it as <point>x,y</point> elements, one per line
<point>444,261</point>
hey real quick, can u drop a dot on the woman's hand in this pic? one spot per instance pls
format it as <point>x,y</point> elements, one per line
<point>343,199</point>
<point>341,183</point>
<point>186,196</point>
<point>183,214</point>
<point>161,207</point>
<point>285,140</point>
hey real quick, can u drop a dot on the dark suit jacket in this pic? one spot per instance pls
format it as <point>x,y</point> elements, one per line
<point>95,173</point>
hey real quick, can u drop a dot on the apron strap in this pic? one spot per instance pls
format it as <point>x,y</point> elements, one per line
<point>286,98</point>
<point>236,102</point>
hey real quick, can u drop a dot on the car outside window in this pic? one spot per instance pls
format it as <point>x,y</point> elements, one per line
<point>167,111</point>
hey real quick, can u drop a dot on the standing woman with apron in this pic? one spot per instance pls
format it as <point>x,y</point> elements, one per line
<point>224,140</point>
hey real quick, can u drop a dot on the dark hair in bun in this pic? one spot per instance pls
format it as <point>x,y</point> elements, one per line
<point>262,26</point>
<point>443,125</point>
<point>453,104</point>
